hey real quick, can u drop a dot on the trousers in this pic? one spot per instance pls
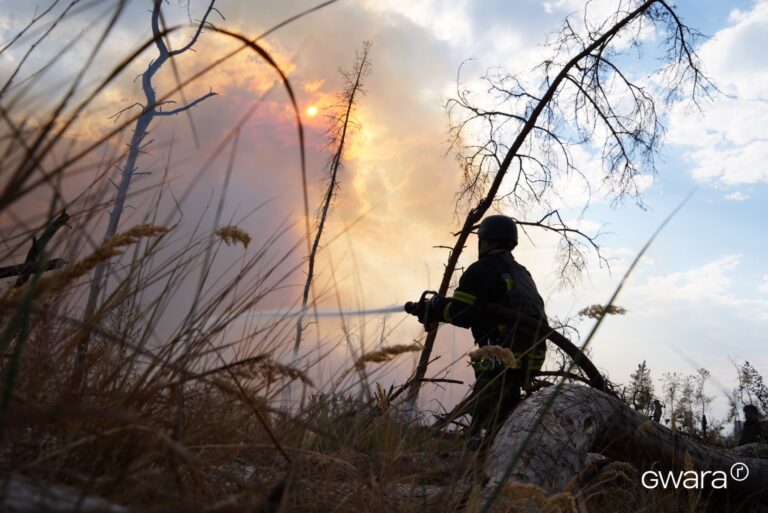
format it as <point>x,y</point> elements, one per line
<point>496,392</point>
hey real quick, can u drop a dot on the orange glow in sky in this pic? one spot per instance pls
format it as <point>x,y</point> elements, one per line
<point>311,111</point>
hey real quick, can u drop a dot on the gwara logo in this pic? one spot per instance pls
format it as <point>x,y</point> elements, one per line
<point>691,479</point>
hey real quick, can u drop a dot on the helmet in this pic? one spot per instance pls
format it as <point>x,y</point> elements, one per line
<point>498,227</point>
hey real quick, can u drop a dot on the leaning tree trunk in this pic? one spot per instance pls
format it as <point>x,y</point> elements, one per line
<point>547,439</point>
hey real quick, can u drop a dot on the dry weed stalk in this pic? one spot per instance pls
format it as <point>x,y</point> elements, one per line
<point>607,490</point>
<point>619,469</point>
<point>616,469</point>
<point>338,133</point>
<point>381,398</point>
<point>382,355</point>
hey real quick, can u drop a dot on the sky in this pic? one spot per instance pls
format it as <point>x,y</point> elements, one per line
<point>698,298</point>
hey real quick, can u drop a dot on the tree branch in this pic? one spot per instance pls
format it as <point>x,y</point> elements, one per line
<point>185,107</point>
<point>203,23</point>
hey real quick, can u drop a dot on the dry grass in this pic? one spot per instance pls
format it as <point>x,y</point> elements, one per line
<point>174,410</point>
<point>177,413</point>
<point>48,286</point>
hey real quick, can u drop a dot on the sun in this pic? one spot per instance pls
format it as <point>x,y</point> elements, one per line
<point>311,111</point>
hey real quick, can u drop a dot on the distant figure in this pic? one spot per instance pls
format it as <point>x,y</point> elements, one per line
<point>657,407</point>
<point>751,431</point>
<point>703,426</point>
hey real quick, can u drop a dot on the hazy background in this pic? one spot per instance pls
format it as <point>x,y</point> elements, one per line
<point>699,298</point>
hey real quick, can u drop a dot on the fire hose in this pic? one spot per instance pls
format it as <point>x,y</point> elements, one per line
<point>596,379</point>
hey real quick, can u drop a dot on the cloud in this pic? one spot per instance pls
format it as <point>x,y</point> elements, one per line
<point>737,16</point>
<point>764,286</point>
<point>708,287</point>
<point>708,282</point>
<point>728,140</point>
<point>446,20</point>
<point>395,179</point>
<point>677,321</point>
<point>730,165</point>
<point>736,196</point>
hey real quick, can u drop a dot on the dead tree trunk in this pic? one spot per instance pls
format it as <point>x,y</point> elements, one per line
<point>151,109</point>
<point>548,437</point>
<point>339,135</point>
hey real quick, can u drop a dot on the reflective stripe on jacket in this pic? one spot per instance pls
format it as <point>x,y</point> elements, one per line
<point>498,278</point>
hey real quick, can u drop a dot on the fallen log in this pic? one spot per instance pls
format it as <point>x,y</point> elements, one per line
<point>539,331</point>
<point>21,494</point>
<point>547,439</point>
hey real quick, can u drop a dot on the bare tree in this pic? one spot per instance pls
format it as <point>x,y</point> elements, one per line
<point>338,134</point>
<point>672,383</point>
<point>149,110</point>
<point>751,388</point>
<point>701,399</point>
<point>583,96</point>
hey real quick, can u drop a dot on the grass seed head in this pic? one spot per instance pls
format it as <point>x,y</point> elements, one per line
<point>504,354</point>
<point>597,311</point>
<point>274,368</point>
<point>110,248</point>
<point>232,235</point>
<point>386,354</point>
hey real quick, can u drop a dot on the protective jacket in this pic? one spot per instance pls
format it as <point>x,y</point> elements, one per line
<point>496,277</point>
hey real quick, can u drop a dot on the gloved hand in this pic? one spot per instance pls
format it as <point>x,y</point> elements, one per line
<point>418,309</point>
<point>425,310</point>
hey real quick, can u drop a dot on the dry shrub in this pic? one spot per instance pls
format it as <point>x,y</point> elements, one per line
<point>521,498</point>
<point>617,487</point>
<point>152,423</point>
